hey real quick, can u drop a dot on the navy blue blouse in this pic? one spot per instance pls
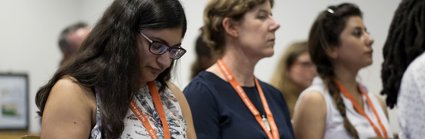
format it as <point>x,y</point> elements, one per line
<point>219,113</point>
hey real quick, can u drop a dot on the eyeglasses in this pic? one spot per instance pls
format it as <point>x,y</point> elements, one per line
<point>159,48</point>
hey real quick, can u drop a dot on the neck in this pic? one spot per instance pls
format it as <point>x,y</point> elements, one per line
<point>347,77</point>
<point>240,65</point>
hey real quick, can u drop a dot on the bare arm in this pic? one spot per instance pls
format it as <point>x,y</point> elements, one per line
<point>310,116</point>
<point>187,115</point>
<point>68,113</point>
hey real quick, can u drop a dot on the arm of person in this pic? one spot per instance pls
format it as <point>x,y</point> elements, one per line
<point>310,116</point>
<point>187,114</point>
<point>68,113</point>
<point>383,106</point>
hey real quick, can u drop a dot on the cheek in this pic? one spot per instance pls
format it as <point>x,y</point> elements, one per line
<point>250,35</point>
<point>298,76</point>
<point>294,74</point>
<point>144,56</point>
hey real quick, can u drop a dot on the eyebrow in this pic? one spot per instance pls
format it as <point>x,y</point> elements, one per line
<point>360,28</point>
<point>153,38</point>
<point>265,11</point>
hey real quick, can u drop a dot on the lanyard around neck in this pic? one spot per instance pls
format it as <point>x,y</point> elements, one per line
<point>274,133</point>
<point>347,94</point>
<point>158,106</point>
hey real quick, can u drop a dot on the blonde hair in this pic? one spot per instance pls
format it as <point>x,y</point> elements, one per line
<point>214,14</point>
<point>281,79</point>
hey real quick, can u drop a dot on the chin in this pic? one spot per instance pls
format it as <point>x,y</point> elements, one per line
<point>269,53</point>
<point>367,64</point>
<point>150,77</point>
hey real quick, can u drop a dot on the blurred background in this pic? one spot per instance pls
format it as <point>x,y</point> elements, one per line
<point>29,32</point>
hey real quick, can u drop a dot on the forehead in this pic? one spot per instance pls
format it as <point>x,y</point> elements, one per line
<point>264,7</point>
<point>170,35</point>
<point>353,22</point>
<point>304,56</point>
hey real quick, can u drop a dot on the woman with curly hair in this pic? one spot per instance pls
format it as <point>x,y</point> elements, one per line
<point>227,100</point>
<point>404,67</point>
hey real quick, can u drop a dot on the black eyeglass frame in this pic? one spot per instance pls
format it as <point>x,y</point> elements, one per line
<point>181,51</point>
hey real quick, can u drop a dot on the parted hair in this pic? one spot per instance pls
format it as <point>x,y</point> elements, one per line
<point>108,60</point>
<point>405,42</point>
<point>214,14</point>
<point>323,35</point>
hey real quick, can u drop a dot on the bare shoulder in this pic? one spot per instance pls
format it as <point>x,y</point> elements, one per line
<point>69,107</point>
<point>187,114</point>
<point>310,115</point>
<point>174,89</point>
<point>311,102</point>
<point>69,87</point>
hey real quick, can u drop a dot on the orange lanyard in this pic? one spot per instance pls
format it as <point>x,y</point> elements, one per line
<point>346,93</point>
<point>264,123</point>
<point>158,106</point>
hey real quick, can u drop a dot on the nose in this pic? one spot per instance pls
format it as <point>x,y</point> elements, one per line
<point>369,40</point>
<point>164,60</point>
<point>274,24</point>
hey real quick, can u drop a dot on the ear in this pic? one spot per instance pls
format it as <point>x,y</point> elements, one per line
<point>229,27</point>
<point>332,52</point>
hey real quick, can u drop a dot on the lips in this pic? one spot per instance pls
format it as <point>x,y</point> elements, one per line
<point>369,53</point>
<point>154,69</point>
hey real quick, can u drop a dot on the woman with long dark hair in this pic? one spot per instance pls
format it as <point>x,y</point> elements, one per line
<point>117,85</point>
<point>336,105</point>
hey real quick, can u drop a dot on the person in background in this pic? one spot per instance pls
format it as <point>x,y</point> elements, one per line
<point>294,73</point>
<point>336,105</point>
<point>204,57</point>
<point>403,68</point>
<point>71,38</point>
<point>118,84</point>
<point>227,100</point>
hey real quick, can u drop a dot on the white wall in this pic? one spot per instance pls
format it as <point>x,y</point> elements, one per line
<point>29,30</point>
<point>28,34</point>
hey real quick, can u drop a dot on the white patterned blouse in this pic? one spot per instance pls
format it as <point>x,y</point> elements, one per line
<point>411,101</point>
<point>133,127</point>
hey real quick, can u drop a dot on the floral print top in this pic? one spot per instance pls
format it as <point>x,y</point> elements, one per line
<point>133,127</point>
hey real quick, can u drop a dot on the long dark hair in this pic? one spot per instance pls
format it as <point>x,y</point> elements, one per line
<point>108,60</point>
<point>324,34</point>
<point>405,42</point>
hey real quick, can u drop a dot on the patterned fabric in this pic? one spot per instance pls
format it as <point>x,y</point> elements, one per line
<point>334,128</point>
<point>133,127</point>
<point>411,101</point>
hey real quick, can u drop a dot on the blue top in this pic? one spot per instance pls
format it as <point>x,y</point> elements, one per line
<point>218,111</point>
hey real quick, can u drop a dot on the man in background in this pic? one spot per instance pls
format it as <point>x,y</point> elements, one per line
<point>71,39</point>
